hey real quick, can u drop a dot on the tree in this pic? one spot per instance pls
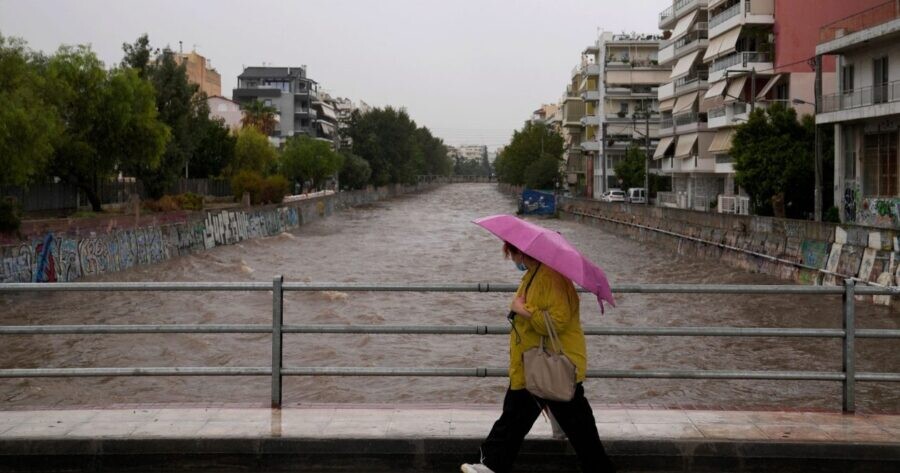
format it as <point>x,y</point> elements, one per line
<point>252,152</point>
<point>527,146</point>
<point>110,120</point>
<point>215,149</point>
<point>308,159</point>
<point>436,161</point>
<point>29,125</point>
<point>774,161</point>
<point>356,171</point>
<point>387,140</point>
<point>138,55</point>
<point>631,169</point>
<point>543,173</point>
<point>260,116</point>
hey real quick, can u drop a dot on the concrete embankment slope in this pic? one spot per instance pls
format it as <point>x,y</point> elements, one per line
<point>65,250</point>
<point>798,250</point>
<point>423,439</point>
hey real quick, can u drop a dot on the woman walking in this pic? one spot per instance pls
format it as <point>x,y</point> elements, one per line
<point>544,295</point>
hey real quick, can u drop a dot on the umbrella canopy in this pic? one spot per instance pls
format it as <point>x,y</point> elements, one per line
<point>550,248</point>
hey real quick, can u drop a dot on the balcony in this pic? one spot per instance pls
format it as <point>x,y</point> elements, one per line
<point>740,61</point>
<point>727,115</point>
<point>863,20</point>
<point>728,13</point>
<point>679,7</point>
<point>666,91</point>
<point>695,38</point>
<point>592,69</point>
<point>860,103</point>
<point>692,81</point>
<point>591,95</point>
<point>734,204</point>
<point>590,145</point>
<point>753,12</point>
<point>590,120</point>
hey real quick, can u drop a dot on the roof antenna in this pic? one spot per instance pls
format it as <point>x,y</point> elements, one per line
<point>179,48</point>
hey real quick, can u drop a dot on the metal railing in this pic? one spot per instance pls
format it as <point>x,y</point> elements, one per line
<point>734,204</point>
<point>727,14</point>
<point>865,19</point>
<point>848,376</point>
<point>742,58</point>
<point>861,97</point>
<point>692,79</point>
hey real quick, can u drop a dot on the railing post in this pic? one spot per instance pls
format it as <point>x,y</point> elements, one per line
<point>849,348</point>
<point>277,308</point>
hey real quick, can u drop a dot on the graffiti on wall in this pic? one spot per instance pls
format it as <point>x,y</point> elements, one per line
<point>879,212</point>
<point>53,258</point>
<point>815,253</point>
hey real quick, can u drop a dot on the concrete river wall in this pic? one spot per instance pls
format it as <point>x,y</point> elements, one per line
<point>66,250</point>
<point>802,251</point>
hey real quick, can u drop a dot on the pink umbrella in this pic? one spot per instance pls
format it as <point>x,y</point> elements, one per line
<point>550,248</point>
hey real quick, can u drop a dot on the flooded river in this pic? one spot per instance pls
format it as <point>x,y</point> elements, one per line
<point>428,237</point>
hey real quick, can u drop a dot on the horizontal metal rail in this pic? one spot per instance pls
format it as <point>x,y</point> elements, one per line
<point>437,287</point>
<point>848,333</point>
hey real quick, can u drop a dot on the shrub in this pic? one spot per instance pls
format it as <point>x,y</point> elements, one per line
<point>190,201</point>
<point>10,221</point>
<point>166,203</point>
<point>832,215</point>
<point>247,181</point>
<point>274,188</point>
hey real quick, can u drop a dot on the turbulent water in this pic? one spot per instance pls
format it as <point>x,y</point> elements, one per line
<point>428,237</point>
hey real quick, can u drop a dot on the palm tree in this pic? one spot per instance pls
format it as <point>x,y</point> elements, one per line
<point>260,116</point>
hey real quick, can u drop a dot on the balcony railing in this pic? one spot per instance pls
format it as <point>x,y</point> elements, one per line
<point>743,58</point>
<point>689,118</point>
<point>666,123</point>
<point>692,79</point>
<point>865,19</point>
<point>716,112</point>
<point>861,97</point>
<point>734,204</point>
<point>691,39</point>
<point>729,12</point>
<point>667,13</point>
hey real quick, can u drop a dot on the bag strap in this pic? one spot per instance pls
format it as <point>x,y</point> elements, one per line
<point>551,334</point>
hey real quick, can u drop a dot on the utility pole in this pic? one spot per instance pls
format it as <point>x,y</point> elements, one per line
<point>647,156</point>
<point>817,206</point>
<point>752,90</point>
<point>603,156</point>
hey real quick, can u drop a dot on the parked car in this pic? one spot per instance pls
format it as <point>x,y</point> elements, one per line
<point>636,195</point>
<point>613,195</point>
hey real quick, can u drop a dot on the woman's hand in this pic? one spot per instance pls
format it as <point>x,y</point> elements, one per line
<point>518,306</point>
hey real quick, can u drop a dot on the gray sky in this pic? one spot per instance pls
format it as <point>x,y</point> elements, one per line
<point>470,70</point>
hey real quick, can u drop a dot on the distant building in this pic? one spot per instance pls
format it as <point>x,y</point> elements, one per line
<point>473,152</point>
<point>226,109</point>
<point>200,72</point>
<point>295,98</point>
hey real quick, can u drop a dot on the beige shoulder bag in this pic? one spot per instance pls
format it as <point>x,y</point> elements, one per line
<point>549,375</point>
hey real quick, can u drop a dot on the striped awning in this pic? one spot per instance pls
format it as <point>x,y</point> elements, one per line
<point>721,143</point>
<point>664,145</point>
<point>685,145</point>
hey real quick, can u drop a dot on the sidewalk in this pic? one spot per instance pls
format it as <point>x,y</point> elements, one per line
<point>401,438</point>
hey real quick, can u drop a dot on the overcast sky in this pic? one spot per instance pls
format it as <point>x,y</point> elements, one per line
<point>470,70</point>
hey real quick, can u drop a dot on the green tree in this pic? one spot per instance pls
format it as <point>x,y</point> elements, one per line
<point>252,152</point>
<point>528,145</point>
<point>436,161</point>
<point>308,159</point>
<point>260,116</point>
<point>543,173</point>
<point>138,55</point>
<point>356,171</point>
<point>774,161</point>
<point>631,169</point>
<point>110,120</point>
<point>215,149</point>
<point>386,139</point>
<point>29,125</point>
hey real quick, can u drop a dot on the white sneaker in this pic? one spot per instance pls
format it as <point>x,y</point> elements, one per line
<point>476,468</point>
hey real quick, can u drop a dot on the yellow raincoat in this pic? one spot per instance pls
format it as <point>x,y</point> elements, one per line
<point>554,293</point>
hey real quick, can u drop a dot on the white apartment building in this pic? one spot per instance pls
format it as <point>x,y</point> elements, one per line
<point>618,80</point>
<point>865,110</point>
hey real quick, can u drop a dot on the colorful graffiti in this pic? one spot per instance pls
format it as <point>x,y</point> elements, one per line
<point>59,258</point>
<point>879,212</point>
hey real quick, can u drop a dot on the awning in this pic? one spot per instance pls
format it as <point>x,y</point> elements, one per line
<point>721,143</point>
<point>716,89</point>
<point>765,90</point>
<point>328,112</point>
<point>683,66</point>
<point>666,105</point>
<point>729,41</point>
<point>722,44</point>
<point>683,25</point>
<point>685,102</point>
<point>735,88</point>
<point>664,145</point>
<point>685,145</point>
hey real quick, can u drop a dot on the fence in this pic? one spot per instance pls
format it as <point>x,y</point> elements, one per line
<point>58,196</point>
<point>857,22</point>
<point>848,376</point>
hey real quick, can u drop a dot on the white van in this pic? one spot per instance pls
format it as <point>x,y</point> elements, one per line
<point>636,195</point>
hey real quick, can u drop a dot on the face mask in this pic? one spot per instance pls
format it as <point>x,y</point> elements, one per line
<point>521,267</point>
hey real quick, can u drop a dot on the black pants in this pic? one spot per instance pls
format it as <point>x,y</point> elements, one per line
<point>521,409</point>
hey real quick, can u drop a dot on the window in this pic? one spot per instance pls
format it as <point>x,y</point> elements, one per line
<point>781,91</point>
<point>268,102</point>
<point>623,108</point>
<point>847,78</point>
<point>849,153</point>
<point>880,80</point>
<point>880,166</point>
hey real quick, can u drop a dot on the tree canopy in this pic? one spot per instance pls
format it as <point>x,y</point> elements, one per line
<point>774,161</point>
<point>631,170</point>
<point>308,159</point>
<point>253,152</point>
<point>532,144</point>
<point>260,116</point>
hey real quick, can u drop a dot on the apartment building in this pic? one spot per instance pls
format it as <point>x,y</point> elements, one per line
<point>864,107</point>
<point>294,96</point>
<point>578,166</point>
<point>226,110</point>
<point>472,152</point>
<point>200,71</point>
<point>618,81</point>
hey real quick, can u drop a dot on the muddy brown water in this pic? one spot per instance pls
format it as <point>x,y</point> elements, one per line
<point>429,237</point>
